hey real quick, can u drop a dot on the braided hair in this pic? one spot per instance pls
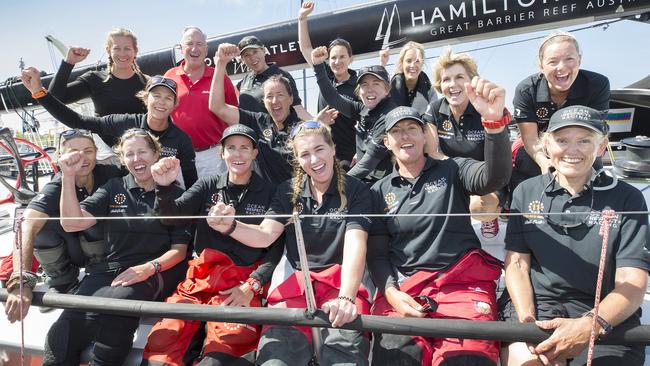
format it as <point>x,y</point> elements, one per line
<point>122,32</point>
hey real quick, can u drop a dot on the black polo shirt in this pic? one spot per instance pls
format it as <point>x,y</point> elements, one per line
<point>343,132</point>
<point>174,141</point>
<point>251,93</point>
<point>564,261</point>
<point>532,101</point>
<point>47,199</point>
<point>412,243</point>
<point>133,242</point>
<point>324,235</point>
<point>417,98</point>
<point>273,161</point>
<point>464,138</point>
<point>251,199</point>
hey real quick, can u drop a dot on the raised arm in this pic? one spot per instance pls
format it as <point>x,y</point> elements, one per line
<point>217,103</point>
<point>32,80</point>
<point>348,108</point>
<point>59,86</point>
<point>303,31</point>
<point>164,173</point>
<point>70,164</point>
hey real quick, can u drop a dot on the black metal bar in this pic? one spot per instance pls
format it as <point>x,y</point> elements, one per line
<point>502,331</point>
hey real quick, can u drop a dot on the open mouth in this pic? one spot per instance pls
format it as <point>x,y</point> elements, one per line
<point>318,168</point>
<point>238,163</point>
<point>561,79</point>
<point>571,160</point>
<point>140,168</point>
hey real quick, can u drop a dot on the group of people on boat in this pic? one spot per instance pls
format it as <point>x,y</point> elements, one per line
<point>384,181</point>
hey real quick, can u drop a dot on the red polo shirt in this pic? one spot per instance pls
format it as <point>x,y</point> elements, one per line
<point>192,114</point>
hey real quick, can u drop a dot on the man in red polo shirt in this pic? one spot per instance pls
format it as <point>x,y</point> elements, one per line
<point>192,115</point>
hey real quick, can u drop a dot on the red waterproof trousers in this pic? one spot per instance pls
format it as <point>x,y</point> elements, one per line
<point>212,272</point>
<point>466,290</point>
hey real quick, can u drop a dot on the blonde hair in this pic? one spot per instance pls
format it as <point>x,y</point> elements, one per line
<point>399,68</point>
<point>152,141</point>
<point>555,38</point>
<point>448,59</point>
<point>299,173</point>
<point>122,32</point>
<point>546,136</point>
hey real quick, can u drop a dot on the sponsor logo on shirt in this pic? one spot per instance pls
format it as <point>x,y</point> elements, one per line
<point>542,112</point>
<point>335,214</point>
<point>119,206</point>
<point>169,151</point>
<point>436,185</point>
<point>254,209</point>
<point>446,125</point>
<point>596,218</point>
<point>533,216</point>
<point>476,135</point>
<point>216,198</point>
<point>268,133</point>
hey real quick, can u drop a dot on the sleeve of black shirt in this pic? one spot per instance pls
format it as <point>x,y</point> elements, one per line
<point>187,156</point>
<point>524,102</point>
<point>97,203</point>
<point>68,92</point>
<point>47,200</point>
<point>602,93</point>
<point>274,252</point>
<point>633,246</point>
<point>346,107</point>
<point>480,177</point>
<point>376,152</point>
<point>377,255</point>
<point>103,126</point>
<point>294,88</point>
<point>180,232</point>
<point>189,203</point>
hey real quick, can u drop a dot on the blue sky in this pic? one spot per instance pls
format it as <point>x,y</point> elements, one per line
<point>620,52</point>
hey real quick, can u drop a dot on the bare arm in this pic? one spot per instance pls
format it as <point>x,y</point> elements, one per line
<point>141,272</point>
<point>255,236</point>
<point>302,113</point>
<point>217,103</point>
<point>303,31</point>
<point>517,268</point>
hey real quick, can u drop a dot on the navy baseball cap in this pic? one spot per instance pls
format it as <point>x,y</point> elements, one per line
<point>579,116</point>
<point>159,80</point>
<point>402,113</point>
<point>376,70</point>
<point>241,130</point>
<point>249,42</point>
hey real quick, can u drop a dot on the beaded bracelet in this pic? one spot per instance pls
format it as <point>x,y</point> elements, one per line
<point>29,280</point>
<point>347,298</point>
<point>231,229</point>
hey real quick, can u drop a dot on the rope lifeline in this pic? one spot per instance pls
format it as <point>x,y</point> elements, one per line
<point>608,216</point>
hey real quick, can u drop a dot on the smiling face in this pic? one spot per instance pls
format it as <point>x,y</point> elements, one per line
<point>316,157</point>
<point>372,90</point>
<point>560,65</point>
<point>406,141</point>
<point>255,59</point>
<point>160,102</point>
<point>277,100</point>
<point>138,156</point>
<point>238,152</point>
<point>122,50</point>
<point>339,61</point>
<point>194,48</point>
<point>573,150</point>
<point>452,85</point>
<point>412,64</point>
<point>85,145</point>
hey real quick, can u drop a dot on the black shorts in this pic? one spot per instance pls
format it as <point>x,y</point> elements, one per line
<point>548,309</point>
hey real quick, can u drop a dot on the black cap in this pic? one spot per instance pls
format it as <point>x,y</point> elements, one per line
<point>241,130</point>
<point>249,42</point>
<point>376,70</point>
<point>580,116</point>
<point>159,80</point>
<point>401,113</point>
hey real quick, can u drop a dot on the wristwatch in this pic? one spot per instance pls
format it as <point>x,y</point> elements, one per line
<point>498,123</point>
<point>39,94</point>
<point>255,285</point>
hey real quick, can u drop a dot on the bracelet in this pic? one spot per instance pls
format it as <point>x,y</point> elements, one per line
<point>498,123</point>
<point>606,327</point>
<point>156,266</point>
<point>231,229</point>
<point>29,280</point>
<point>341,297</point>
<point>39,94</point>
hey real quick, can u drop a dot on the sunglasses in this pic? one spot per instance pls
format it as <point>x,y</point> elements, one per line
<point>72,133</point>
<point>159,79</point>
<point>428,305</point>
<point>304,125</point>
<point>564,226</point>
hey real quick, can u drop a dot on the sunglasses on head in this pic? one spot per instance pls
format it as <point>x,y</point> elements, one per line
<point>159,79</point>
<point>67,134</point>
<point>304,125</point>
